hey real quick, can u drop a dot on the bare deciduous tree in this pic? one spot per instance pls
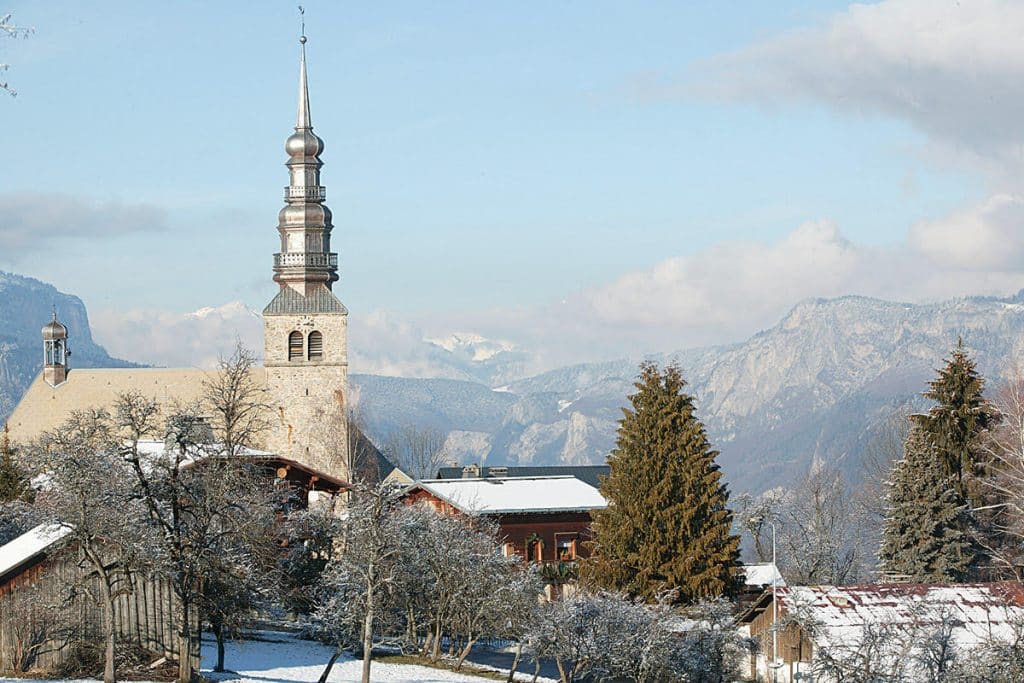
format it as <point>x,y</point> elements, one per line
<point>1005,483</point>
<point>8,28</point>
<point>40,624</point>
<point>818,539</point>
<point>357,583</point>
<point>237,402</point>
<point>89,490</point>
<point>205,506</point>
<point>417,451</point>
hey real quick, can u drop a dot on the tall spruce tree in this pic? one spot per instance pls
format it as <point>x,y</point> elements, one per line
<point>667,525</point>
<point>957,421</point>
<point>926,537</point>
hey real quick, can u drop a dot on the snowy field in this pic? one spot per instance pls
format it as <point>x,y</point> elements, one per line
<point>281,658</point>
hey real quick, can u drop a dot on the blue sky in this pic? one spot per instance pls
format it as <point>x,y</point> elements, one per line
<point>489,163</point>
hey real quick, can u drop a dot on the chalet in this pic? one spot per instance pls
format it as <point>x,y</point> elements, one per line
<point>545,520</point>
<point>842,614</point>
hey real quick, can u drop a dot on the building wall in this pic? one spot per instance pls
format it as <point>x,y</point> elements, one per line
<point>34,596</point>
<point>309,424</point>
<point>795,650</point>
<point>519,530</point>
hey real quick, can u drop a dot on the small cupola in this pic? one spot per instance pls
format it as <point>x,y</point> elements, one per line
<point>56,353</point>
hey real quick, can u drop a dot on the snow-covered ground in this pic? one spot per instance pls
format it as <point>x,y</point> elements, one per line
<point>282,658</point>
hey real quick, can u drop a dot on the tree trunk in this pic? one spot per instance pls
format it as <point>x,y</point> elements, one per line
<point>470,642</point>
<point>109,675</point>
<point>185,643</point>
<point>515,662</point>
<point>425,650</point>
<point>436,653</point>
<point>562,676</point>
<point>218,630</point>
<point>368,631</point>
<point>536,667</point>
<point>330,664</point>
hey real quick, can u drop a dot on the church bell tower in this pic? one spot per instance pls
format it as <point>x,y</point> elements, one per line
<point>305,325</point>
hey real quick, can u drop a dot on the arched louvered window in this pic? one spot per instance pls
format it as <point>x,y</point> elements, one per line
<point>315,346</point>
<point>295,346</point>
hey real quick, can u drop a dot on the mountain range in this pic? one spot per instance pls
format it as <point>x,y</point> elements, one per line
<point>817,386</point>
<point>820,385</point>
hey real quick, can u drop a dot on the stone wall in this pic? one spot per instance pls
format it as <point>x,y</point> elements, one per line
<point>309,396</point>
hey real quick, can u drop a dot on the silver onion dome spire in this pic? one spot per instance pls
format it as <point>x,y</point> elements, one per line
<point>305,261</point>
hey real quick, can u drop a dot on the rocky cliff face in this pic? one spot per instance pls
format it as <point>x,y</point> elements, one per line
<point>815,386</point>
<point>25,306</point>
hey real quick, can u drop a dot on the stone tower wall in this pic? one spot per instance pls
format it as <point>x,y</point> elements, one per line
<point>309,422</point>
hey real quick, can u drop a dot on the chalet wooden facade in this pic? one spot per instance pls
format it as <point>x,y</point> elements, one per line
<point>543,520</point>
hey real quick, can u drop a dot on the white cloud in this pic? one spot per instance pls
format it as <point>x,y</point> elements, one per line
<point>163,338</point>
<point>989,236</point>
<point>709,286</point>
<point>382,343</point>
<point>952,69</point>
<point>32,222</point>
<point>719,295</point>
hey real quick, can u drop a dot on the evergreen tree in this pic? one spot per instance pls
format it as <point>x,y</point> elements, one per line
<point>667,525</point>
<point>13,480</point>
<point>926,536</point>
<point>955,425</point>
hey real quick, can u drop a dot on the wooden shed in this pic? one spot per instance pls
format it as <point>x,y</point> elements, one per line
<point>43,620</point>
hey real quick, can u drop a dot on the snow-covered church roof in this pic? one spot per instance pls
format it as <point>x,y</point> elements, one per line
<point>30,544</point>
<point>515,495</point>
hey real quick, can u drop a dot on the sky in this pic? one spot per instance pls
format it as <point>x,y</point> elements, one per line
<point>581,180</point>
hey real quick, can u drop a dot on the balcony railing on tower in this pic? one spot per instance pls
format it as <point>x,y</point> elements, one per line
<point>313,193</point>
<point>306,260</point>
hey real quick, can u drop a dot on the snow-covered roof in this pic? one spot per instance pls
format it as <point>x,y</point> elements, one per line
<point>29,544</point>
<point>763,574</point>
<point>497,495</point>
<point>980,610</point>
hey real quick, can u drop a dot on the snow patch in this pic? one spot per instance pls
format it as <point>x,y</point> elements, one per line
<point>30,544</point>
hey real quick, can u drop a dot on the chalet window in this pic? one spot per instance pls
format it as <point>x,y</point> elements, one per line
<point>316,346</point>
<point>535,551</point>
<point>295,346</point>
<point>508,549</point>
<point>565,547</point>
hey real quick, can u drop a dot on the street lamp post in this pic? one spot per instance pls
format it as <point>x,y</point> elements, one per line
<point>775,611</point>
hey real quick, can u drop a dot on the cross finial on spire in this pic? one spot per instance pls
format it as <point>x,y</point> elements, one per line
<point>303,119</point>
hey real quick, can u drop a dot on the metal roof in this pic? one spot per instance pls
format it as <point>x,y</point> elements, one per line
<point>290,302</point>
<point>589,474</point>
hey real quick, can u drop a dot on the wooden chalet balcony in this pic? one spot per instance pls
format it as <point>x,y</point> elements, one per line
<point>562,570</point>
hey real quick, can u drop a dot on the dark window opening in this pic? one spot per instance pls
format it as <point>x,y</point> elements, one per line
<point>295,346</point>
<point>316,346</point>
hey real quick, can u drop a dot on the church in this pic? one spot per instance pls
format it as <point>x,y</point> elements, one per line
<point>305,368</point>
